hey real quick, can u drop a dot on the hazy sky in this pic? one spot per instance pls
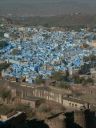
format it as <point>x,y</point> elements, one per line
<point>46,7</point>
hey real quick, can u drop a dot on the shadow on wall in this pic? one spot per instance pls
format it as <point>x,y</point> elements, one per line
<point>90,118</point>
<point>70,121</point>
<point>77,119</point>
<point>36,124</point>
<point>81,119</point>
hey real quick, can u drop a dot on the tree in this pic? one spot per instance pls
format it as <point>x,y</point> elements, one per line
<point>58,76</point>
<point>91,57</point>
<point>85,45</point>
<point>62,84</point>
<point>90,80</point>
<point>84,69</point>
<point>5,93</point>
<point>39,79</point>
<point>67,76</point>
<point>77,79</point>
<point>3,44</point>
<point>4,66</point>
<point>1,34</point>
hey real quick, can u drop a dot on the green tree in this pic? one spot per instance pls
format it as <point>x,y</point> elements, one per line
<point>90,80</point>
<point>63,84</point>
<point>1,35</point>
<point>3,44</point>
<point>58,76</point>
<point>39,79</point>
<point>5,93</point>
<point>4,66</point>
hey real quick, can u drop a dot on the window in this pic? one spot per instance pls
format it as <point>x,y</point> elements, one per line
<point>72,105</point>
<point>76,105</point>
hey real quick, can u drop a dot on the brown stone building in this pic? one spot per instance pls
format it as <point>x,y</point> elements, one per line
<point>33,102</point>
<point>29,95</point>
<point>74,103</point>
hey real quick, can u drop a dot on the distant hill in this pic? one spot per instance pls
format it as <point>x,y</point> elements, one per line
<point>67,21</point>
<point>46,7</point>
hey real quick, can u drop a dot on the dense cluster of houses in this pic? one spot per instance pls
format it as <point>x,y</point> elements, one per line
<point>34,51</point>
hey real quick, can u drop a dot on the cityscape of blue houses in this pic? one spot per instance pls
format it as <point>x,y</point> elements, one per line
<point>34,51</point>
